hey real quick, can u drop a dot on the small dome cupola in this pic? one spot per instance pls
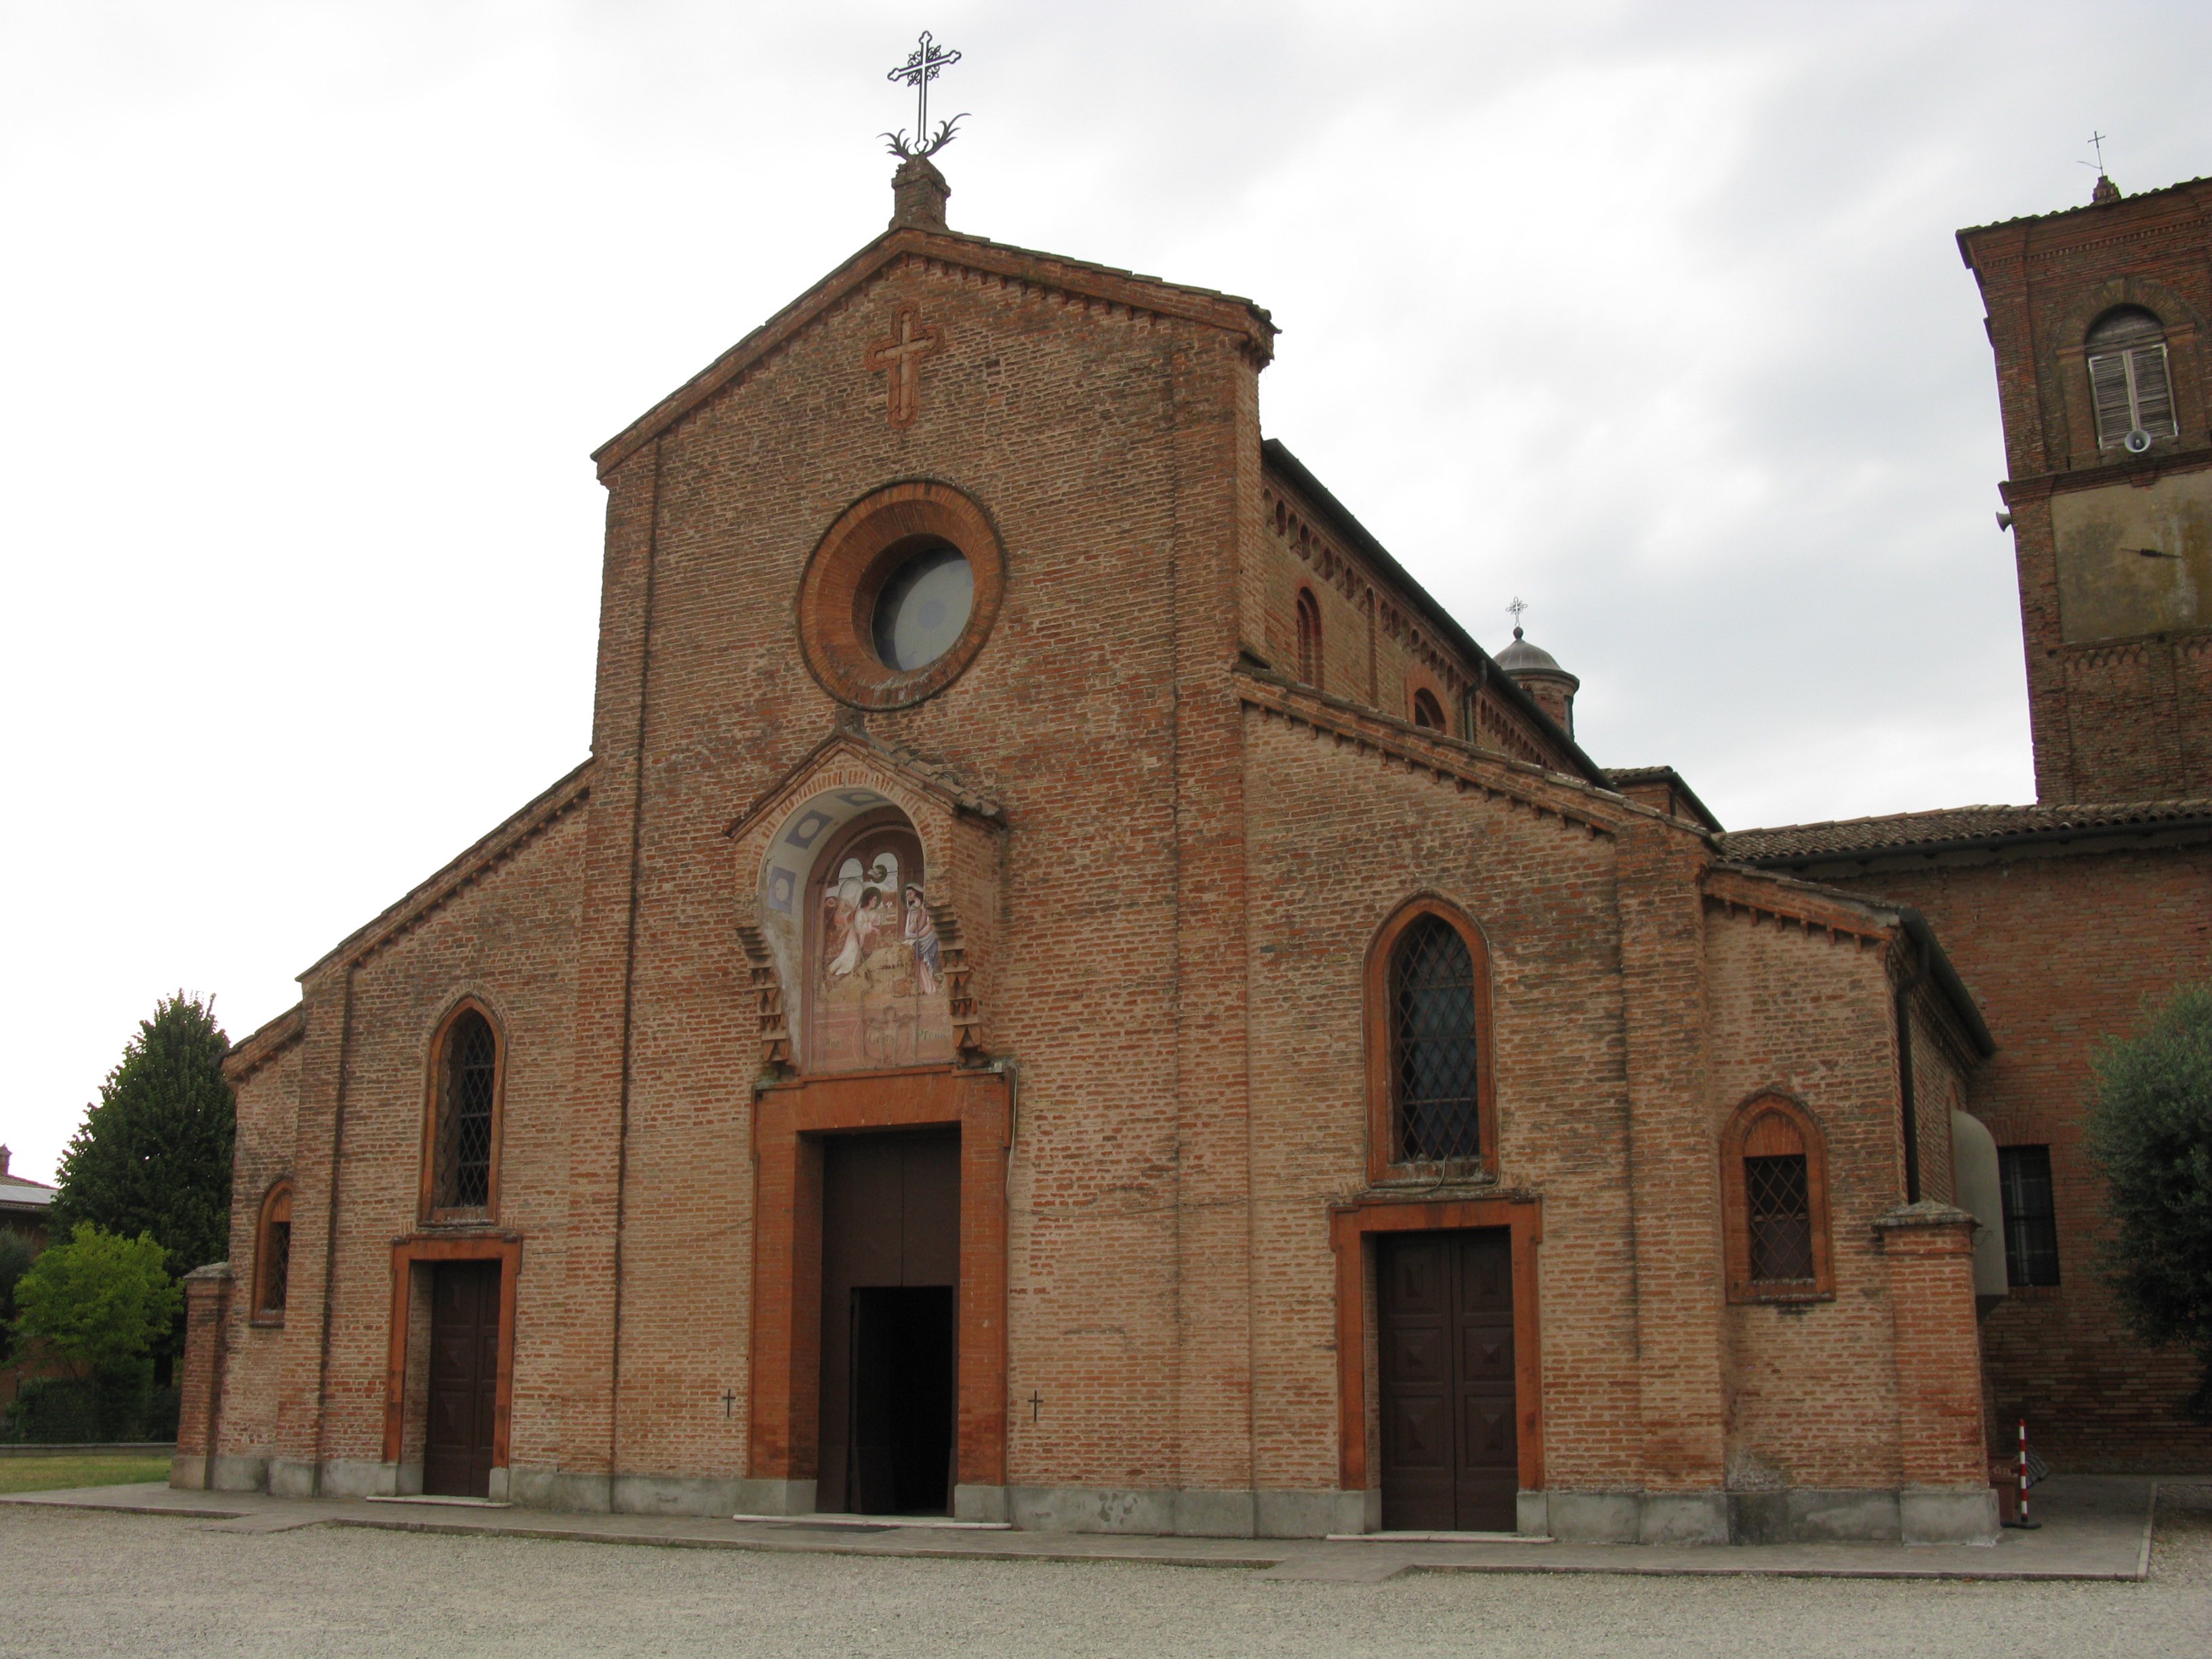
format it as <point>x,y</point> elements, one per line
<point>1536,671</point>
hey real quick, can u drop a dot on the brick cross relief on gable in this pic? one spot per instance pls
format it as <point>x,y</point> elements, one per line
<point>900,358</point>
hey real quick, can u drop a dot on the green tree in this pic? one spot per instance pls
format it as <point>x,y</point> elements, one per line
<point>96,1304</point>
<point>153,1155</point>
<point>2150,1134</point>
<point>16,1258</point>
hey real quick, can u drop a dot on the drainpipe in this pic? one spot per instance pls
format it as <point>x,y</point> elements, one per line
<point>1905,1100</point>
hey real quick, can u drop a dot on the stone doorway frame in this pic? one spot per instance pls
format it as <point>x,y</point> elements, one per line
<point>790,1121</point>
<point>1351,1226</point>
<point>406,1255</point>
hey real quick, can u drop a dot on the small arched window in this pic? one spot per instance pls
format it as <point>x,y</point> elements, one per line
<point>2129,383</point>
<point>1774,1180</point>
<point>465,1138</point>
<point>1427,711</point>
<point>1309,637</point>
<point>1429,1048</point>
<point>272,1255</point>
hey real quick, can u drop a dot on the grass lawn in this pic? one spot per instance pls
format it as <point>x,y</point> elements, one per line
<point>38,1473</point>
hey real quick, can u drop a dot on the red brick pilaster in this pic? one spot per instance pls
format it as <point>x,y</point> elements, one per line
<point>1673,1170</point>
<point>590,1268</point>
<point>1929,1249</point>
<point>199,1413</point>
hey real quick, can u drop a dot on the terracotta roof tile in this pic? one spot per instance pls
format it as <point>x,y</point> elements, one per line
<point>1951,826</point>
<point>2083,207</point>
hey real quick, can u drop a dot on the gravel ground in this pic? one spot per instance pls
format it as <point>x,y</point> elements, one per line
<point>73,1582</point>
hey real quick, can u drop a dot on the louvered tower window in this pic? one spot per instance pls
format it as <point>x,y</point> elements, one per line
<point>1433,1054</point>
<point>2128,379</point>
<point>465,1129</point>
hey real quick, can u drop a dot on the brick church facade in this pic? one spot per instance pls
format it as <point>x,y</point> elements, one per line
<point>1070,993</point>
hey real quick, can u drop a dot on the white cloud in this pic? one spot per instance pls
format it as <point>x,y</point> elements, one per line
<point>1648,313</point>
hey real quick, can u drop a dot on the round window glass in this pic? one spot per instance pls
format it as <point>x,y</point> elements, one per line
<point>922,609</point>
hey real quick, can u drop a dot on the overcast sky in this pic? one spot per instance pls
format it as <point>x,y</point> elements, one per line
<point>310,314</point>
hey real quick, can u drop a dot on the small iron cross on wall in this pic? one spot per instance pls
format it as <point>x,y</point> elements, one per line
<point>900,357</point>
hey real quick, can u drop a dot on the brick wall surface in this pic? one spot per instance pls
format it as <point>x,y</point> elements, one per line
<point>268,1130</point>
<point>1173,903</point>
<point>2061,951</point>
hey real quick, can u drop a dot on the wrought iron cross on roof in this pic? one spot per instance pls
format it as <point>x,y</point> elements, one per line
<point>923,64</point>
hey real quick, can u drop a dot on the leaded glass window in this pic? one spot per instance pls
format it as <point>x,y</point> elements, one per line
<point>1433,1054</point>
<point>1778,1205</point>
<point>471,1070</point>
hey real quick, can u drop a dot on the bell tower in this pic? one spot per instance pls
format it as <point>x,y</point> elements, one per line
<point>2098,318</point>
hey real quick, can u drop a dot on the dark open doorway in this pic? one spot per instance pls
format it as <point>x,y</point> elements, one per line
<point>891,1263</point>
<point>902,1433</point>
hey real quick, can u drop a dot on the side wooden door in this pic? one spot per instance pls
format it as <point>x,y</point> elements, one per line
<point>464,1378</point>
<point>1450,1427</point>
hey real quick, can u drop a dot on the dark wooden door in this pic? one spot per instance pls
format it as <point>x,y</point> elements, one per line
<point>1450,1436</point>
<point>464,1378</point>
<point>891,1224</point>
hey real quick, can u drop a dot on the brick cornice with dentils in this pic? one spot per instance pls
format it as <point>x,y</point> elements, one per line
<point>418,906</point>
<point>1048,273</point>
<point>1850,917</point>
<point>924,777</point>
<point>1574,802</point>
<point>250,1054</point>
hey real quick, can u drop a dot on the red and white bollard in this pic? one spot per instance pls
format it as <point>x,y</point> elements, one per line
<point>2023,1522</point>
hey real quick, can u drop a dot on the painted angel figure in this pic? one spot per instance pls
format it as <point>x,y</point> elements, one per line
<point>920,937</point>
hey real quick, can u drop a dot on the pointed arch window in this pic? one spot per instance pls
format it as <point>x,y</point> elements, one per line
<point>1774,1198</point>
<point>1431,1114</point>
<point>272,1255</point>
<point>467,1078</point>
<point>2128,380</point>
<point>1309,637</point>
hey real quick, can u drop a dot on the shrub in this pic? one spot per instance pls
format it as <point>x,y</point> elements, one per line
<point>2150,1134</point>
<point>96,1302</point>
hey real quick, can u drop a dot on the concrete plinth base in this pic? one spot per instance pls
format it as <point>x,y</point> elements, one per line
<point>674,1494</point>
<point>772,1498</point>
<point>346,1478</point>
<point>1917,1515</point>
<point>1945,1515</point>
<point>1316,1514</point>
<point>1191,1513</point>
<point>986,1505</point>
<point>1809,1516</point>
<point>238,1474</point>
<point>291,1477</point>
<point>559,1489</point>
